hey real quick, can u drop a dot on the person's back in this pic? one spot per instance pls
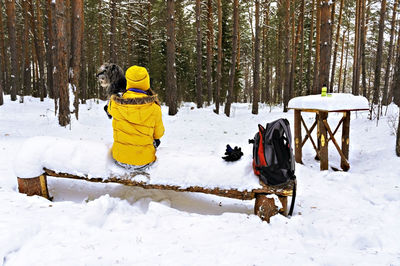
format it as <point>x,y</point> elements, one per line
<point>137,120</point>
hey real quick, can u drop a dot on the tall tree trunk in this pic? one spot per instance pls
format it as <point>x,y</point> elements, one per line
<point>398,138</point>
<point>310,40</point>
<point>336,47</point>
<point>325,45</point>
<point>267,54</point>
<point>385,100</point>
<point>378,63</point>
<point>100,30</point>
<point>76,50</point>
<point>287,55</point>
<point>39,45</point>
<point>1,95</point>
<point>3,62</point>
<point>49,49</point>
<point>113,7</point>
<point>293,51</point>
<point>54,52</point>
<point>219,58</point>
<point>26,60</point>
<point>171,88</point>
<point>396,77</point>
<point>149,33</point>
<point>278,66</point>
<point>300,91</point>
<point>210,44</point>
<point>345,64</point>
<point>363,40</point>
<point>62,70</point>
<point>11,21</point>
<point>234,56</point>
<point>341,61</point>
<point>199,63</point>
<point>256,72</point>
<point>356,55</point>
<point>83,82</point>
<point>316,90</point>
<point>2,57</point>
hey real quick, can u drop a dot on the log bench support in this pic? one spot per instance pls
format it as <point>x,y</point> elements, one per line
<point>34,186</point>
<point>264,207</point>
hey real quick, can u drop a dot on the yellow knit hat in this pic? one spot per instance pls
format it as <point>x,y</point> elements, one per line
<point>137,78</point>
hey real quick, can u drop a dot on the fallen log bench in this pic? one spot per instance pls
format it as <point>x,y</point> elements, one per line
<point>265,205</point>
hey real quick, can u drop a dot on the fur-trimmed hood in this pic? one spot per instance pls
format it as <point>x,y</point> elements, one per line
<point>135,100</point>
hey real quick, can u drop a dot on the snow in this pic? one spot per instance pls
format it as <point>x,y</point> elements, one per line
<point>94,160</point>
<point>335,102</point>
<point>340,218</point>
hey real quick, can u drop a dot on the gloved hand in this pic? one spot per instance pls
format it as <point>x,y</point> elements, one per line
<point>105,109</point>
<point>156,143</point>
<point>232,154</point>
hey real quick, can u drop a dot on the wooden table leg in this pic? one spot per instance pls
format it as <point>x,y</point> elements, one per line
<point>323,140</point>
<point>317,155</point>
<point>345,140</point>
<point>297,136</point>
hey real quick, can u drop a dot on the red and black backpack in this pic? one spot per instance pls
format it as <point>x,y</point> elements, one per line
<point>273,160</point>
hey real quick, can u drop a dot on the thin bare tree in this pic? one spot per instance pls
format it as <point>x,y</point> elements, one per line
<point>12,39</point>
<point>377,81</point>
<point>210,44</point>
<point>385,99</point>
<point>325,45</point>
<point>171,89</point>
<point>315,88</point>
<point>199,63</point>
<point>219,58</point>
<point>62,70</point>
<point>336,47</point>
<point>76,50</point>
<point>310,41</point>
<point>234,57</point>
<point>256,71</point>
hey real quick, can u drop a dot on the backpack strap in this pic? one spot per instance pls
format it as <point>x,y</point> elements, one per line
<point>260,151</point>
<point>293,198</point>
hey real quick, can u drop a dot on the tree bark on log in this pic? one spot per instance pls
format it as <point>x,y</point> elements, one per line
<point>265,207</point>
<point>34,186</point>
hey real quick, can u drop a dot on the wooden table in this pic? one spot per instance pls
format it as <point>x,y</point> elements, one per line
<point>322,106</point>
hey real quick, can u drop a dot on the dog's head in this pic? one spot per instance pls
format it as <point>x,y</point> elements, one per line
<point>109,75</point>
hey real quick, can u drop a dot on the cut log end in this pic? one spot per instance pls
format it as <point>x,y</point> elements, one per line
<point>265,207</point>
<point>34,186</point>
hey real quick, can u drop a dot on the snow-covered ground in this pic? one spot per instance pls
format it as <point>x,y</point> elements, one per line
<point>340,218</point>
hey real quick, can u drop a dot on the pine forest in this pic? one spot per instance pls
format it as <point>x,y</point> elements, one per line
<point>211,52</point>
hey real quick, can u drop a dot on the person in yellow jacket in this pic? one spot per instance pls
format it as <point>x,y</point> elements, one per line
<point>137,123</point>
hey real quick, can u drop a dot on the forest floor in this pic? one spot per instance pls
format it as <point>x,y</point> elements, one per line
<point>340,218</point>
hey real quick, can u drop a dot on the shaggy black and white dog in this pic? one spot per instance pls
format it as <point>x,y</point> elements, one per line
<point>112,78</point>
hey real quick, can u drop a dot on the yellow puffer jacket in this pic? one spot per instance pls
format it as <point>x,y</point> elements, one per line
<point>136,123</point>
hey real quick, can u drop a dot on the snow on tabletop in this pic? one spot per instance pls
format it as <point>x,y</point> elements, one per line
<point>93,159</point>
<point>337,101</point>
